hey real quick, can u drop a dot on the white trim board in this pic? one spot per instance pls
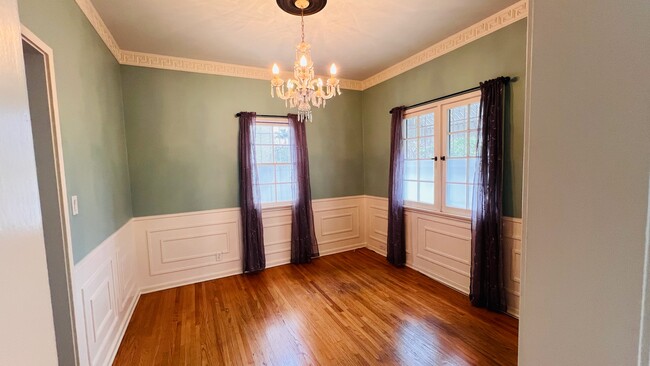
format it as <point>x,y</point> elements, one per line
<point>484,27</point>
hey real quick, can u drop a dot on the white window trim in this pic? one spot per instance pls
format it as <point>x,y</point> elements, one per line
<point>441,129</point>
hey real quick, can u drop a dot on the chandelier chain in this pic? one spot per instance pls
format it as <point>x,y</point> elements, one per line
<point>302,24</point>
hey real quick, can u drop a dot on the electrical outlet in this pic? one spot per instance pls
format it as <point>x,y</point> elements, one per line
<point>75,206</point>
<point>219,256</point>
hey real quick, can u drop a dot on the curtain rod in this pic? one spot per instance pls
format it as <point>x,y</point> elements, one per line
<point>265,115</point>
<point>453,95</point>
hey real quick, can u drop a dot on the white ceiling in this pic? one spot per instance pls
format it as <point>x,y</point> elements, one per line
<point>362,37</point>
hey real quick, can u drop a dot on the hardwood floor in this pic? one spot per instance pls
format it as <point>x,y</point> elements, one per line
<point>351,308</point>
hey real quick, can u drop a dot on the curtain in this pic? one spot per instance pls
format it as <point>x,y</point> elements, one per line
<point>396,243</point>
<point>249,196</point>
<point>486,287</point>
<point>303,238</point>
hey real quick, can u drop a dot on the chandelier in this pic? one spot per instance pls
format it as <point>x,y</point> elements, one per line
<point>304,90</point>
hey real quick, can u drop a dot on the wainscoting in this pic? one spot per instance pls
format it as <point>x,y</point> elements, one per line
<point>105,294</point>
<point>158,252</point>
<point>439,246</point>
<point>185,248</point>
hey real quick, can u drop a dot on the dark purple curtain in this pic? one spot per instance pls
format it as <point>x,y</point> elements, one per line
<point>249,196</point>
<point>396,243</point>
<point>303,238</point>
<point>486,287</point>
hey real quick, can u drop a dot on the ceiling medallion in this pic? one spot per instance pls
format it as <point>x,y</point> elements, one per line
<point>304,90</point>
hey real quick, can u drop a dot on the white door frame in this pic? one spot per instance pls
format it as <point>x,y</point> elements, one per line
<point>48,55</point>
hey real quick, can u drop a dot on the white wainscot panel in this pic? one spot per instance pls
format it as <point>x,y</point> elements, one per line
<point>377,219</point>
<point>339,224</point>
<point>99,311</point>
<point>186,248</point>
<point>442,249</point>
<point>179,249</point>
<point>277,236</point>
<point>512,262</point>
<point>105,294</point>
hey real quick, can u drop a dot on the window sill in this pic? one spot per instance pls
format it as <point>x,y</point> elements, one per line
<point>428,211</point>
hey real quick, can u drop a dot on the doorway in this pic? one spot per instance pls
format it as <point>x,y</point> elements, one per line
<point>39,70</point>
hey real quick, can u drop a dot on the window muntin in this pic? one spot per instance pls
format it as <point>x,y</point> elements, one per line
<point>449,129</point>
<point>274,160</point>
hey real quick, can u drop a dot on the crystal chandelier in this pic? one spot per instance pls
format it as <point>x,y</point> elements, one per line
<point>304,89</point>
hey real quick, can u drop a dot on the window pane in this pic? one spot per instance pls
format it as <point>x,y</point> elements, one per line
<point>264,154</point>
<point>426,192</point>
<point>281,135</point>
<point>458,145</point>
<point>411,128</point>
<point>456,195</point>
<point>473,143</point>
<point>410,191</point>
<point>283,173</point>
<point>263,138</point>
<point>284,192</point>
<point>267,193</point>
<point>426,125</point>
<point>411,149</point>
<point>282,154</point>
<point>474,110</point>
<point>426,170</point>
<point>266,174</point>
<point>457,170</point>
<point>426,148</point>
<point>474,114</point>
<point>472,165</point>
<point>411,169</point>
<point>458,119</point>
<point>470,195</point>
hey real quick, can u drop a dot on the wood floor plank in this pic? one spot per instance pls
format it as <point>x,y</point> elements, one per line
<point>351,308</point>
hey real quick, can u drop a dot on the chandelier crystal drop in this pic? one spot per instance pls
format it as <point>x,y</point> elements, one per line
<point>304,90</point>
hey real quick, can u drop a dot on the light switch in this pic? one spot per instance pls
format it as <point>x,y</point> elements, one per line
<point>75,206</point>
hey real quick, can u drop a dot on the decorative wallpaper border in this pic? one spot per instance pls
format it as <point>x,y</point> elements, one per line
<point>486,26</point>
<point>96,21</point>
<point>207,67</point>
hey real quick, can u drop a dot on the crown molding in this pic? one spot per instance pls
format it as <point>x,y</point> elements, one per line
<point>100,27</point>
<point>486,26</point>
<point>208,67</point>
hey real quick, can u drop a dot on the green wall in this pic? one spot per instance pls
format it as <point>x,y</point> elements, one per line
<point>500,53</point>
<point>91,115</point>
<point>182,135</point>
<point>182,138</point>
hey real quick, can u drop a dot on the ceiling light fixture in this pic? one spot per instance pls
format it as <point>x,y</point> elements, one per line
<point>304,90</point>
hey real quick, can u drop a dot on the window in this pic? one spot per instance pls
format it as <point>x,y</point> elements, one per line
<point>441,145</point>
<point>273,140</point>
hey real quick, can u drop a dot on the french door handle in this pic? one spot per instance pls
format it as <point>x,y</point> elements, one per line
<point>435,158</point>
<point>443,158</point>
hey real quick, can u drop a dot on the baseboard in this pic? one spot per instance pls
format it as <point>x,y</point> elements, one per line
<point>189,281</point>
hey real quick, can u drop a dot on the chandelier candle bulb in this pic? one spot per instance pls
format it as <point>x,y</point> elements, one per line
<point>304,90</point>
